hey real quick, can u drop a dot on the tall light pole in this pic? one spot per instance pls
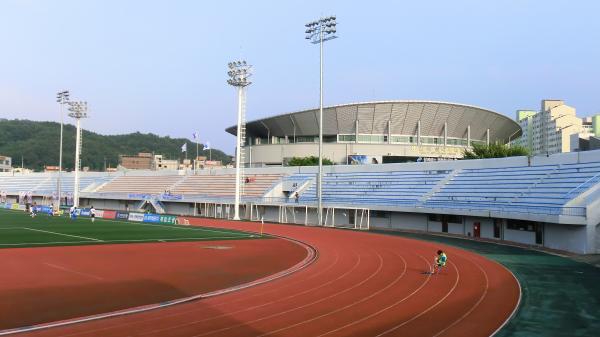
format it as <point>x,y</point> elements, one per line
<point>62,98</point>
<point>239,74</point>
<point>78,111</point>
<point>318,32</point>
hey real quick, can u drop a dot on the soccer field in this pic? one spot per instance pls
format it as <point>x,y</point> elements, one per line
<point>18,229</point>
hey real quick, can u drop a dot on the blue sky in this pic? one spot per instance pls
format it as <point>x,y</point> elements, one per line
<point>160,66</point>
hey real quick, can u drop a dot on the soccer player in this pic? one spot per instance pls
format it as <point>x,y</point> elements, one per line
<point>33,210</point>
<point>93,213</point>
<point>72,212</point>
<point>440,261</point>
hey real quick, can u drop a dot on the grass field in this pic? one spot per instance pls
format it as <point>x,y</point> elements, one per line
<point>18,229</point>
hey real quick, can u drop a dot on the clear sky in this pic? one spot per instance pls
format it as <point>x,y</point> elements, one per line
<point>160,66</point>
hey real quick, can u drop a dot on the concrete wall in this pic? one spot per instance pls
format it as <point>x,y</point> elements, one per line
<point>519,236</point>
<point>411,221</point>
<point>562,237</point>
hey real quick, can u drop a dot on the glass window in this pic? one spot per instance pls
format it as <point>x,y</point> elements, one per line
<point>346,138</point>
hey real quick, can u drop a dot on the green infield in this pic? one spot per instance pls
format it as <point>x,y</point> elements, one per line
<point>18,229</point>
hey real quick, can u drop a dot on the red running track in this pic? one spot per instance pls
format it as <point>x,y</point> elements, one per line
<point>361,285</point>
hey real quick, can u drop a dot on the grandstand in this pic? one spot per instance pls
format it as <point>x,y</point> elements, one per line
<point>542,201</point>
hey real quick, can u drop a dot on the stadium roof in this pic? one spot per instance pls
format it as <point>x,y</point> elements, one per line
<point>403,118</point>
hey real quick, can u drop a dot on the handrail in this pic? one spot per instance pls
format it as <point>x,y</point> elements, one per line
<point>581,185</point>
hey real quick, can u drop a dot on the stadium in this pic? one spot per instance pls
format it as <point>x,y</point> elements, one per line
<point>376,132</point>
<point>165,258</point>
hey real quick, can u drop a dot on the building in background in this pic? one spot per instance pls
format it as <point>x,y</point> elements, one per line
<point>142,161</point>
<point>5,164</point>
<point>551,129</point>
<point>160,163</point>
<point>375,133</point>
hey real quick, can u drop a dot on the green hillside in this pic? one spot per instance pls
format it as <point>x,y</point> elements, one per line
<point>38,143</point>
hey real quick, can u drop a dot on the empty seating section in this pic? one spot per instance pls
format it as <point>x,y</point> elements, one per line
<point>546,186</point>
<point>399,187</point>
<point>299,180</point>
<point>224,185</point>
<point>140,184</point>
<point>46,185</point>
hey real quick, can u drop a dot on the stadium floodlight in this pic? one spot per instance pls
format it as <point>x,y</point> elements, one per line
<point>78,111</point>
<point>238,77</point>
<point>318,32</point>
<point>62,98</point>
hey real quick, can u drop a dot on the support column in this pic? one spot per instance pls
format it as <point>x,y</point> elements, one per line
<point>468,135</point>
<point>487,137</point>
<point>446,134</point>
<point>419,132</point>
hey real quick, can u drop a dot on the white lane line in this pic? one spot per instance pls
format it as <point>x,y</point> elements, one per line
<point>485,291</point>
<point>374,273</point>
<point>388,307</point>
<point>119,241</point>
<point>73,271</point>
<point>363,299</point>
<point>56,233</point>
<point>189,323</point>
<point>187,312</point>
<point>198,229</point>
<point>430,307</point>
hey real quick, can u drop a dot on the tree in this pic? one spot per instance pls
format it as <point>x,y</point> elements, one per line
<point>38,143</point>
<point>308,161</point>
<point>481,151</point>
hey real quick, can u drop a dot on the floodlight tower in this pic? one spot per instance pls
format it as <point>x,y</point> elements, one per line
<point>317,32</point>
<point>239,74</point>
<point>62,98</point>
<point>78,111</point>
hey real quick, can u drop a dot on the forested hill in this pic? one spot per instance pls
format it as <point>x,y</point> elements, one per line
<point>38,144</point>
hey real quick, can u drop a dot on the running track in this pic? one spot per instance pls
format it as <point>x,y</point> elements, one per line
<point>362,284</point>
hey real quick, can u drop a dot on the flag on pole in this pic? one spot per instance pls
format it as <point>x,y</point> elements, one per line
<point>207,145</point>
<point>184,147</point>
<point>195,135</point>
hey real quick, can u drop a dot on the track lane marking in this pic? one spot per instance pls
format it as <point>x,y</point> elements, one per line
<point>375,273</point>
<point>358,261</point>
<point>427,279</point>
<point>73,271</point>
<point>348,305</point>
<point>485,291</point>
<point>186,312</point>
<point>429,308</point>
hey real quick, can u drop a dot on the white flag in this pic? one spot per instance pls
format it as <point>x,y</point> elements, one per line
<point>195,135</point>
<point>184,147</point>
<point>207,145</point>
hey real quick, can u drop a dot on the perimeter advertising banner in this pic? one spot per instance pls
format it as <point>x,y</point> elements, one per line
<point>152,218</point>
<point>99,213</point>
<point>106,214</point>
<point>15,206</point>
<point>122,215</point>
<point>139,217</point>
<point>84,212</point>
<point>43,209</point>
<point>168,219</point>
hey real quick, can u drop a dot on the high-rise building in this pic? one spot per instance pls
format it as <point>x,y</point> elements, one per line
<point>549,130</point>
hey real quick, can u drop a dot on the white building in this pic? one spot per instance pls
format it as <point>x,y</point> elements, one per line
<point>164,164</point>
<point>5,164</point>
<point>549,130</point>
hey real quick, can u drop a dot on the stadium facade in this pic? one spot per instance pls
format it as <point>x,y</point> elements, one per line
<point>376,132</point>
